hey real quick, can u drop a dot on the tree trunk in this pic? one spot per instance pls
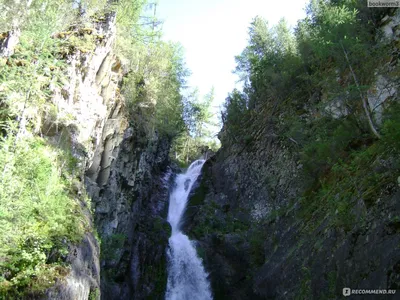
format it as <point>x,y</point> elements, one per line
<point>363,99</point>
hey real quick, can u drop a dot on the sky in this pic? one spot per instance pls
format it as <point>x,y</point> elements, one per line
<point>213,32</point>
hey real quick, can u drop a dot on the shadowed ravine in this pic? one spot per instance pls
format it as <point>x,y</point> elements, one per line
<point>186,276</point>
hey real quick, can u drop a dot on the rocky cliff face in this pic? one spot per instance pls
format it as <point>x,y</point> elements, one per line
<point>93,127</point>
<point>248,216</point>
<point>230,223</point>
<point>121,167</point>
<point>130,218</point>
<point>255,245</point>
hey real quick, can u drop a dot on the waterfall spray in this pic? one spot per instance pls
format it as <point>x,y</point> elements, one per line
<point>187,279</point>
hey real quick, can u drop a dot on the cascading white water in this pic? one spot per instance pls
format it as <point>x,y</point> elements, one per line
<point>187,279</point>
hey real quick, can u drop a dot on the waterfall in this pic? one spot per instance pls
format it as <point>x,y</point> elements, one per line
<point>187,279</point>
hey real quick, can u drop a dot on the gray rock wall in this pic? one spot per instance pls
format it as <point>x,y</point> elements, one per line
<point>246,216</point>
<point>130,215</point>
<point>90,125</point>
<point>123,171</point>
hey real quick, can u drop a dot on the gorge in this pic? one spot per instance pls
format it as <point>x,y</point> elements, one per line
<point>103,194</point>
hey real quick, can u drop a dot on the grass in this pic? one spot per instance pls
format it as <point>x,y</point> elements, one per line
<point>39,216</point>
<point>345,166</point>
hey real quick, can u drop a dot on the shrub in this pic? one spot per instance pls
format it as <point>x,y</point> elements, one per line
<point>391,128</point>
<point>327,144</point>
<point>38,216</point>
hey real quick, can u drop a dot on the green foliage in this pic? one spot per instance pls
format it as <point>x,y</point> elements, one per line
<point>358,175</point>
<point>236,110</point>
<point>267,63</point>
<point>197,137</point>
<point>158,275</point>
<point>38,216</point>
<point>334,28</point>
<point>132,37</point>
<point>339,155</point>
<point>40,213</point>
<point>29,77</point>
<point>330,138</point>
<point>281,70</point>
<point>305,291</point>
<point>197,114</point>
<point>111,244</point>
<point>332,281</point>
<point>390,130</point>
<point>94,294</point>
<point>226,224</point>
<point>157,71</point>
<point>295,84</point>
<point>19,13</point>
<point>257,237</point>
<point>23,14</point>
<point>25,79</point>
<point>153,92</point>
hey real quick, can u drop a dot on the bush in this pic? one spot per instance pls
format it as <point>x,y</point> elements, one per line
<point>391,128</point>
<point>327,144</point>
<point>111,244</point>
<point>38,216</point>
<point>364,173</point>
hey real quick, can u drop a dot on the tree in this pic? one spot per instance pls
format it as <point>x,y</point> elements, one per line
<point>336,34</point>
<point>198,120</point>
<point>267,64</point>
